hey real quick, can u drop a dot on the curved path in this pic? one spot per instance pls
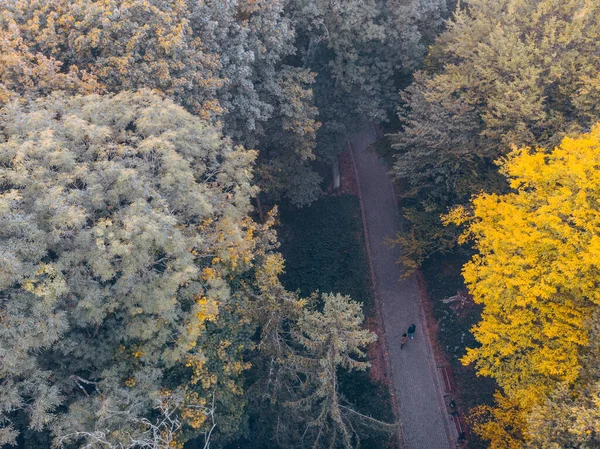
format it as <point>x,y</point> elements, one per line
<point>416,384</point>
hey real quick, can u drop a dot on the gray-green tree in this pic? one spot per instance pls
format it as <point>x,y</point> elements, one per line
<point>268,102</point>
<point>223,61</point>
<point>327,339</point>
<point>362,51</point>
<point>124,233</point>
<point>362,47</point>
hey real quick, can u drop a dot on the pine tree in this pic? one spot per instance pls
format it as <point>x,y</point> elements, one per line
<point>331,339</point>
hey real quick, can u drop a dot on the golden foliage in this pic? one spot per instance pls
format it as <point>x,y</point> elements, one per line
<point>193,411</point>
<point>536,272</point>
<point>114,45</point>
<point>25,71</point>
<point>503,425</point>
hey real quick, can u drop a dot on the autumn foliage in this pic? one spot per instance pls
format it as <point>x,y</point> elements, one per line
<point>536,268</point>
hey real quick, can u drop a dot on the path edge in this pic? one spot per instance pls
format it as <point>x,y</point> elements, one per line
<point>378,308</point>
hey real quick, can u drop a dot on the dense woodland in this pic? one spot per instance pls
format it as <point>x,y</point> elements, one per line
<point>146,145</point>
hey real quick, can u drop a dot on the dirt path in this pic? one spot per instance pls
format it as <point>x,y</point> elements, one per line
<point>416,384</point>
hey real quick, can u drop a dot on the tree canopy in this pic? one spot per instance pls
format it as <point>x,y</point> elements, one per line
<point>137,289</point>
<point>140,300</point>
<point>503,73</point>
<point>513,72</point>
<point>124,219</point>
<point>536,270</point>
<point>125,45</point>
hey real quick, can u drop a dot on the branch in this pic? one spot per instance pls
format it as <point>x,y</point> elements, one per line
<point>78,379</point>
<point>371,420</point>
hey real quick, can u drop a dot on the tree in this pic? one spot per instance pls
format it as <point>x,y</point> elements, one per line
<point>125,45</point>
<point>503,425</point>
<point>361,52</point>
<point>241,63</point>
<point>268,103</point>
<point>223,61</point>
<point>570,416</point>
<point>124,236</point>
<point>26,73</point>
<point>536,269</point>
<point>289,149</point>
<point>514,72</point>
<point>361,47</point>
<point>567,419</point>
<point>330,339</point>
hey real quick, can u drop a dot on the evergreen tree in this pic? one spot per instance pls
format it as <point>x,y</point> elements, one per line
<point>321,342</point>
<point>331,339</point>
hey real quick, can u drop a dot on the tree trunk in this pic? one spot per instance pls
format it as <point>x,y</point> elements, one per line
<point>335,167</point>
<point>261,214</point>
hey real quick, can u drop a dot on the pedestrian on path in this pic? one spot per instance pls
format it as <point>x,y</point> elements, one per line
<point>403,340</point>
<point>411,331</point>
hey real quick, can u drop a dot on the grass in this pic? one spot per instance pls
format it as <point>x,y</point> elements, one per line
<point>324,250</point>
<point>323,246</point>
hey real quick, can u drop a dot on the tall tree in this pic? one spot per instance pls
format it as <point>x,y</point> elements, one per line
<point>268,103</point>
<point>570,416</point>
<point>362,52</point>
<point>363,46</point>
<point>536,269</point>
<point>24,72</point>
<point>124,233</point>
<point>332,339</point>
<point>124,44</point>
<point>220,60</point>
<point>509,72</point>
<point>319,340</point>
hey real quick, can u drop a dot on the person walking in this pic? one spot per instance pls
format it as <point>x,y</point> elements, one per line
<point>403,340</point>
<point>411,331</point>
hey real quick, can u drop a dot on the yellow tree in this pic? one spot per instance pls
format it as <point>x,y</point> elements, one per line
<point>503,424</point>
<point>537,267</point>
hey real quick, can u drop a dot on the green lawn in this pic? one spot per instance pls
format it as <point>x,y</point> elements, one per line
<point>323,246</point>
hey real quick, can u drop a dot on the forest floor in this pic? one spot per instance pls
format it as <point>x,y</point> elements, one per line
<point>416,384</point>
